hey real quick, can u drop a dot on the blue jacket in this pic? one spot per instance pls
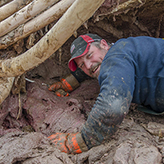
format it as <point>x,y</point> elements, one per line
<point>132,71</point>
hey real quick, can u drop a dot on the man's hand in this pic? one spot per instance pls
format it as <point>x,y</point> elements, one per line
<point>64,86</point>
<point>71,143</point>
<point>61,93</point>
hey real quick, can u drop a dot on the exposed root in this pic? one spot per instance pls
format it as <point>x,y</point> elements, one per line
<point>159,26</point>
<point>60,55</point>
<point>19,85</point>
<point>6,84</point>
<point>142,27</point>
<point>75,34</point>
<point>123,8</point>
<point>20,107</point>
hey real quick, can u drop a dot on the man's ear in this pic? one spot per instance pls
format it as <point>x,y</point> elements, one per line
<point>104,44</point>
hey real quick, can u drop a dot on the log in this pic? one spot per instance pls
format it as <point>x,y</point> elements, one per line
<point>12,7</point>
<point>47,17</point>
<point>23,15</point>
<point>74,17</point>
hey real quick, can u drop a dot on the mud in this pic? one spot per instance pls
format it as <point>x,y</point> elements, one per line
<point>139,139</point>
<point>131,144</point>
<point>23,139</point>
<point>42,111</point>
<point>29,148</point>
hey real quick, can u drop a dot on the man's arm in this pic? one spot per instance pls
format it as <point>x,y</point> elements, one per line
<point>80,75</point>
<point>117,81</point>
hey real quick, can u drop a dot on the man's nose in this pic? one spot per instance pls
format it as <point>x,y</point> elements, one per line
<point>87,64</point>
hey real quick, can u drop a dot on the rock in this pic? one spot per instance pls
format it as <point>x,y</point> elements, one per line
<point>155,128</point>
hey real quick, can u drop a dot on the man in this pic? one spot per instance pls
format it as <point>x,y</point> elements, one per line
<point>131,70</point>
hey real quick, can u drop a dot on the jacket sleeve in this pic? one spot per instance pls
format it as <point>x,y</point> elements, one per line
<point>80,75</point>
<point>116,81</point>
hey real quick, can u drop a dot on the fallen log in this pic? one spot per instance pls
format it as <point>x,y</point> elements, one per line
<point>23,15</point>
<point>47,17</point>
<point>3,2</point>
<point>12,7</point>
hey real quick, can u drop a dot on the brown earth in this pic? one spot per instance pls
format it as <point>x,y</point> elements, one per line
<point>140,138</point>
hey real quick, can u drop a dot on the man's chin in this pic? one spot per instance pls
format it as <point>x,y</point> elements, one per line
<point>95,75</point>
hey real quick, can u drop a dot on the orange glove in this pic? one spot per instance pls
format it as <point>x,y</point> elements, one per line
<point>67,84</point>
<point>71,143</point>
<point>61,93</point>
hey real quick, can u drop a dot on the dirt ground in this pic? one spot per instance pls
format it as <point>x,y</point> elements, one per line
<point>23,139</point>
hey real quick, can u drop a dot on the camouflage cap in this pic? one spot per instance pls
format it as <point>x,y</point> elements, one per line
<point>80,47</point>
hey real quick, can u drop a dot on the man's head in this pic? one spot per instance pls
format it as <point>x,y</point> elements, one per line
<point>87,52</point>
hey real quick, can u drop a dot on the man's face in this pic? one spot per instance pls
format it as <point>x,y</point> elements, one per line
<point>90,62</point>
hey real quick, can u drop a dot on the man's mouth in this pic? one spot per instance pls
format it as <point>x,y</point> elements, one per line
<point>95,69</point>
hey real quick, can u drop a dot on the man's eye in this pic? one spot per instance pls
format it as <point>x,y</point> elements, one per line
<point>81,65</point>
<point>89,55</point>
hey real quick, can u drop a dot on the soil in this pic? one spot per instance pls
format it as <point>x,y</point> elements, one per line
<point>27,120</point>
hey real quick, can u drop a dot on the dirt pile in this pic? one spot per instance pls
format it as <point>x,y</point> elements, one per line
<point>29,148</point>
<point>139,139</point>
<point>132,144</point>
<point>42,111</point>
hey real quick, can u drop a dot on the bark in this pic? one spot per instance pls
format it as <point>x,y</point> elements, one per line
<point>74,17</point>
<point>47,17</point>
<point>12,7</point>
<point>5,87</point>
<point>23,15</point>
<point>3,2</point>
